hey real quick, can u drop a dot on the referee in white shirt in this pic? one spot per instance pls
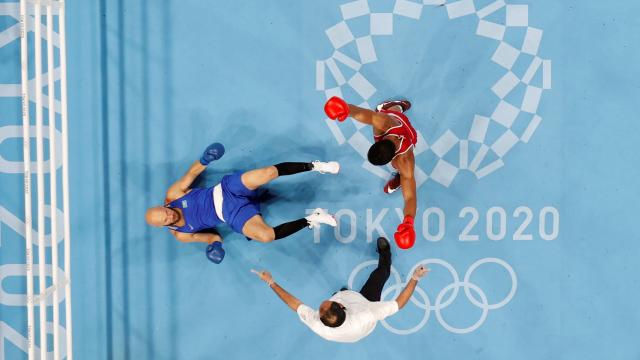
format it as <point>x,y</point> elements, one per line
<point>349,316</point>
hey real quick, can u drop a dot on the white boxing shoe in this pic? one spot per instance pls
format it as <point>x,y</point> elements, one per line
<point>331,167</point>
<point>321,216</point>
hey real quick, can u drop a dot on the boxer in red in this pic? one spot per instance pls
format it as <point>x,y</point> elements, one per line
<point>394,139</point>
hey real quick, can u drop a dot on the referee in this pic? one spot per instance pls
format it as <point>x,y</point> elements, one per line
<point>349,316</point>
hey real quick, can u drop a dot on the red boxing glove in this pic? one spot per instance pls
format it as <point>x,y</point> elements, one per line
<point>405,235</point>
<point>336,109</point>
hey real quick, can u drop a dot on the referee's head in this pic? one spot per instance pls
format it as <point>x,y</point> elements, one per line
<point>332,313</point>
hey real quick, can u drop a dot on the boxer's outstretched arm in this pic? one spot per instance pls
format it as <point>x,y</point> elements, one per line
<point>180,187</point>
<point>367,116</point>
<point>406,167</point>
<point>196,237</point>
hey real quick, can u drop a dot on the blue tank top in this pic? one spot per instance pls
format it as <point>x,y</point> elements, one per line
<point>198,210</point>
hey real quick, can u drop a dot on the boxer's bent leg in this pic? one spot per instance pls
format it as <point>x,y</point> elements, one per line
<point>289,228</point>
<point>256,229</point>
<point>372,289</point>
<point>253,179</point>
<point>290,168</point>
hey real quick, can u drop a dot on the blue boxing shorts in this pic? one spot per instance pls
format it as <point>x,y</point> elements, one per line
<point>239,204</point>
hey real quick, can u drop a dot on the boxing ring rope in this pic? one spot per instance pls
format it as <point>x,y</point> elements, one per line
<point>26,148</point>
<point>53,181</point>
<point>65,176</point>
<point>42,304</point>
<point>57,284</point>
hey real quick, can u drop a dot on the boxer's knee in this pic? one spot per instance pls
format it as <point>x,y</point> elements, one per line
<point>264,235</point>
<point>271,172</point>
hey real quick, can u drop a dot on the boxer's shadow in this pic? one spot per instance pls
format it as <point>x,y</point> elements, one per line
<point>295,152</point>
<point>208,123</point>
<point>300,251</point>
<point>290,193</point>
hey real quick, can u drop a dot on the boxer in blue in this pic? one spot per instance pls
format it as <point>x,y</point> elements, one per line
<point>190,212</point>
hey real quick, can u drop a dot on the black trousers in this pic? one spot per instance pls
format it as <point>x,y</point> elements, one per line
<point>372,289</point>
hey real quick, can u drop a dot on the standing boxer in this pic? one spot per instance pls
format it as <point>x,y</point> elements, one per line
<point>394,139</point>
<point>188,211</point>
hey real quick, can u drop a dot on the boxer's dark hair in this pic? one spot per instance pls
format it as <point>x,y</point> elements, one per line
<point>381,152</point>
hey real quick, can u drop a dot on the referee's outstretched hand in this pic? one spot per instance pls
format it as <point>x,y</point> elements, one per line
<point>263,275</point>
<point>419,272</point>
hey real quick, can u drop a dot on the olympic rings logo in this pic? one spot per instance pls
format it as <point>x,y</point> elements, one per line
<point>473,292</point>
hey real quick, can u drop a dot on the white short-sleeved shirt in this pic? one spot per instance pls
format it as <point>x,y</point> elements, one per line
<point>362,316</point>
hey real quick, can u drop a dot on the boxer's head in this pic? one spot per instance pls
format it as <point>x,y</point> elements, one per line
<point>161,216</point>
<point>382,152</point>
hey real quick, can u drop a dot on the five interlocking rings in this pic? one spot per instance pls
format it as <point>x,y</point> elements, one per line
<point>441,302</point>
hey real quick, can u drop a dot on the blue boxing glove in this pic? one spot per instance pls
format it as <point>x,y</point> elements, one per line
<point>215,252</point>
<point>213,152</point>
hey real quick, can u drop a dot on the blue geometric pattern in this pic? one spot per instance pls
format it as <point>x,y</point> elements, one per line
<point>504,115</point>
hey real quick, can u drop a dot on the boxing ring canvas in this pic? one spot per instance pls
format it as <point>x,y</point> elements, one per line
<point>526,167</point>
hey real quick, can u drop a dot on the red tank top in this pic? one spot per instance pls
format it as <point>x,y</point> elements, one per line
<point>404,131</point>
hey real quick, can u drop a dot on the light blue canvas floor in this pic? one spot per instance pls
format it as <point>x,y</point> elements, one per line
<point>527,173</point>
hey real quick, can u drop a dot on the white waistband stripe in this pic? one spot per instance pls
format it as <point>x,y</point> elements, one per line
<point>218,200</point>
